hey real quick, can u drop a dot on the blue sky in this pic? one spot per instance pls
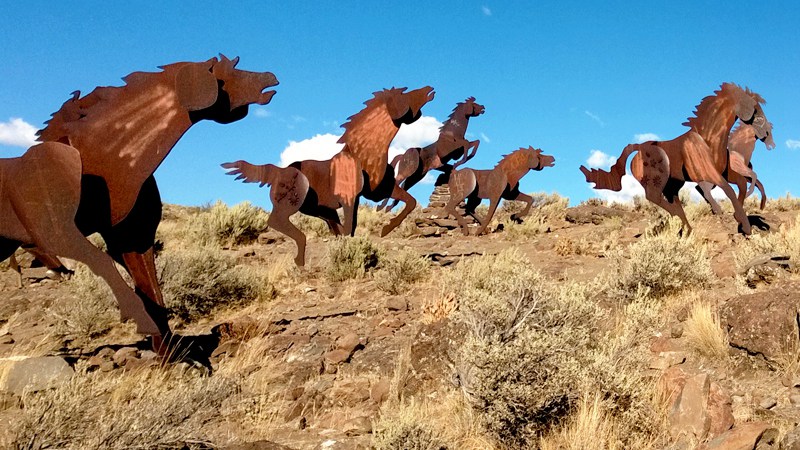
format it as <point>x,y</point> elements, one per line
<point>563,76</point>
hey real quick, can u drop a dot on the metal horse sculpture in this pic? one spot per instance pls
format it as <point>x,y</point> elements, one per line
<point>319,188</point>
<point>93,172</point>
<point>494,184</point>
<point>741,144</point>
<point>700,154</point>
<point>412,166</point>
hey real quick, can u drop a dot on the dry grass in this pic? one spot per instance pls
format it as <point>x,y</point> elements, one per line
<point>546,210</point>
<point>217,224</point>
<point>591,426</point>
<point>784,241</point>
<point>704,333</point>
<point>163,408</point>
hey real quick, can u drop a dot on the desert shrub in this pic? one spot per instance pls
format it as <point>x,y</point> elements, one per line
<point>224,225</point>
<point>521,362</point>
<point>785,203</point>
<point>146,409</point>
<point>545,208</point>
<point>661,263</point>
<point>196,280</point>
<point>371,221</point>
<point>406,436</point>
<point>399,270</point>
<point>88,312</point>
<point>310,226</point>
<point>350,258</point>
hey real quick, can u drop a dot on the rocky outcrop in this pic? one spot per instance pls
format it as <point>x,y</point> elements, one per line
<point>22,374</point>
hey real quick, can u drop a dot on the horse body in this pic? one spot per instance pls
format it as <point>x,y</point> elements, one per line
<point>412,165</point>
<point>500,182</point>
<point>319,188</point>
<point>700,154</point>
<point>114,138</point>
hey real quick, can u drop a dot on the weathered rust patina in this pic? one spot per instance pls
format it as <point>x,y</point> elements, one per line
<point>319,188</point>
<point>502,182</point>
<point>412,165</point>
<point>93,172</point>
<point>700,154</point>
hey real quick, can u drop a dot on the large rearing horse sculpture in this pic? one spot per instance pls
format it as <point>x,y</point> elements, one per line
<point>412,165</point>
<point>700,154</point>
<point>741,145</point>
<point>319,188</point>
<point>500,182</point>
<point>93,172</point>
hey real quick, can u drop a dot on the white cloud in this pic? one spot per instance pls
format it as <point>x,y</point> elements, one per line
<point>319,147</point>
<point>323,146</point>
<point>419,134</point>
<point>486,11</point>
<point>793,143</point>
<point>630,189</point>
<point>262,112</point>
<point>595,117</point>
<point>644,137</point>
<point>18,133</point>
<point>429,178</point>
<point>717,193</point>
<point>601,160</point>
<point>485,138</point>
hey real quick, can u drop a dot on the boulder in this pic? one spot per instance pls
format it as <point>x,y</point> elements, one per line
<point>746,436</point>
<point>18,375</point>
<point>764,323</point>
<point>689,415</point>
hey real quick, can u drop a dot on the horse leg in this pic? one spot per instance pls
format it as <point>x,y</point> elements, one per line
<point>350,213</point>
<point>763,194</point>
<point>471,145</point>
<point>399,193</point>
<point>529,203</point>
<point>279,220</point>
<point>704,188</point>
<point>462,183</point>
<point>737,164</point>
<point>406,168</point>
<point>493,202</point>
<point>659,188</point>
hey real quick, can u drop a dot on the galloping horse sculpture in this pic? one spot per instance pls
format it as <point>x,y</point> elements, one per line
<point>741,144</point>
<point>700,154</point>
<point>93,172</point>
<point>319,188</point>
<point>500,182</point>
<point>412,166</point>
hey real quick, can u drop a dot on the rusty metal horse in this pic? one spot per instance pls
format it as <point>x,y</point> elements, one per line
<point>741,145</point>
<point>500,182</point>
<point>93,172</point>
<point>412,165</point>
<point>319,188</point>
<point>700,154</point>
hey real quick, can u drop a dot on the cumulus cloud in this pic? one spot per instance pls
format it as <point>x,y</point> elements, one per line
<point>644,137</point>
<point>486,11</point>
<point>793,143</point>
<point>323,146</point>
<point>18,133</point>
<point>319,147</point>
<point>595,117</point>
<point>601,160</point>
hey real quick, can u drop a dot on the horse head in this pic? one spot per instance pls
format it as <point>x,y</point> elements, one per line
<point>749,111</point>
<point>473,109</point>
<point>217,91</point>
<point>538,160</point>
<point>406,107</point>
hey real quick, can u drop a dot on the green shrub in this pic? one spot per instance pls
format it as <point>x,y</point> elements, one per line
<point>88,312</point>
<point>350,258</point>
<point>196,280</point>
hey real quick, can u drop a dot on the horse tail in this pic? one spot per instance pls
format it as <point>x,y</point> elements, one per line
<point>251,173</point>
<point>611,179</point>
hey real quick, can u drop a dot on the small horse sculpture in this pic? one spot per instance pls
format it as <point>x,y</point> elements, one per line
<point>700,154</point>
<point>500,182</point>
<point>93,172</point>
<point>319,188</point>
<point>741,144</point>
<point>412,166</point>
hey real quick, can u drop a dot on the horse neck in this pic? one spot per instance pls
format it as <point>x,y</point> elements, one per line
<point>713,123</point>
<point>456,124</point>
<point>744,143</point>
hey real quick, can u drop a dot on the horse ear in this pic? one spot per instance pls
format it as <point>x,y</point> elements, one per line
<point>196,86</point>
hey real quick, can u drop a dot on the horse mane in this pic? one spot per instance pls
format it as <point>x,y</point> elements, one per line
<point>355,121</point>
<point>458,106</point>
<point>517,158</point>
<point>711,104</point>
<point>79,112</point>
